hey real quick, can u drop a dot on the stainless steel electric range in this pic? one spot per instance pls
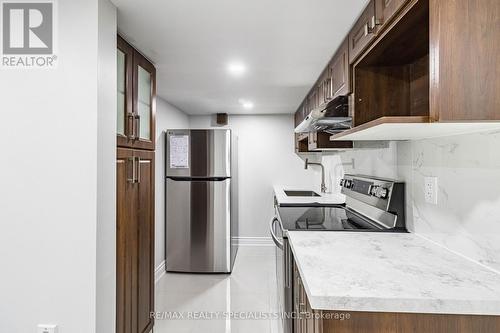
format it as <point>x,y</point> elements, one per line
<point>372,205</point>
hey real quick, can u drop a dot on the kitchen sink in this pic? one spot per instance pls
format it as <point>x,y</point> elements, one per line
<point>301,194</point>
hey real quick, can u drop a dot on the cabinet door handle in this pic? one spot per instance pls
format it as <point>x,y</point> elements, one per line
<point>367,29</point>
<point>327,90</point>
<point>325,93</point>
<point>370,28</point>
<point>376,22</point>
<point>131,180</point>
<point>131,131</point>
<point>137,127</point>
<point>138,177</point>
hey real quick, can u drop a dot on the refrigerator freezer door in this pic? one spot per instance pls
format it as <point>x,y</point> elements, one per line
<point>198,153</point>
<point>198,226</point>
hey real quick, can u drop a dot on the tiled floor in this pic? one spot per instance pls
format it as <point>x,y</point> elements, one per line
<point>250,288</point>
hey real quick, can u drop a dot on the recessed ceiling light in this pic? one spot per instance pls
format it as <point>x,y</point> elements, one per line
<point>236,68</point>
<point>248,105</point>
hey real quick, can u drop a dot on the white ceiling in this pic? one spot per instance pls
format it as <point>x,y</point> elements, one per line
<point>285,44</point>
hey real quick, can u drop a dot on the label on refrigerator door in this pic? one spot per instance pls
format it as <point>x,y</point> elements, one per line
<point>179,151</point>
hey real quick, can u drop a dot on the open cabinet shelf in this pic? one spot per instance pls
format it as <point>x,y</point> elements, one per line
<point>404,89</point>
<point>314,142</point>
<point>391,80</point>
<point>410,128</point>
<point>418,69</point>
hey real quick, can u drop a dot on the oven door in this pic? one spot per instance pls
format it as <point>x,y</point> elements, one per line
<point>284,271</point>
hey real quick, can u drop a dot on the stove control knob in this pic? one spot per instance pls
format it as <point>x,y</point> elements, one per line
<point>382,193</point>
<point>379,192</point>
<point>342,181</point>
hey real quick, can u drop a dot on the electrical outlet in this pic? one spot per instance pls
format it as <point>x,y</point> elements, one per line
<point>431,190</point>
<point>46,328</point>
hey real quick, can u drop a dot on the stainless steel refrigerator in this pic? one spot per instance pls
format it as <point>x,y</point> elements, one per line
<point>201,201</point>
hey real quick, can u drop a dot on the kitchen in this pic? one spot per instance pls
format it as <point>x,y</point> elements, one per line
<point>275,167</point>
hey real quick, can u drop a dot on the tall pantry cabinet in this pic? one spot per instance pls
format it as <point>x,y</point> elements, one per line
<point>136,91</point>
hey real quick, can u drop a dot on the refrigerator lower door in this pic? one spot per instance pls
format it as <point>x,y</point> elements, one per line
<point>198,231</point>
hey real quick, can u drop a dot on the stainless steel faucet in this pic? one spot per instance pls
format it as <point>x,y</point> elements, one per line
<point>323,186</point>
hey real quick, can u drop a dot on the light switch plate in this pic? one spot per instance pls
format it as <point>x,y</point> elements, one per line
<point>431,190</point>
<point>46,328</point>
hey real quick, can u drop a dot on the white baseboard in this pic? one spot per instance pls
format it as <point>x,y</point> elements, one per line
<point>254,241</point>
<point>160,271</point>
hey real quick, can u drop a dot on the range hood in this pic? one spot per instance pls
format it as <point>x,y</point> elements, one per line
<point>332,117</point>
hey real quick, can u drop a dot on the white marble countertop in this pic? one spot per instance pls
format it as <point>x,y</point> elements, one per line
<point>325,198</point>
<point>391,272</point>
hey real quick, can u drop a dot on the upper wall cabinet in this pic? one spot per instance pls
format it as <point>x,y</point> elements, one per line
<point>363,31</point>
<point>465,60</point>
<point>428,72</point>
<point>417,69</point>
<point>136,98</point>
<point>377,14</point>
<point>339,71</point>
<point>385,10</point>
<point>333,82</point>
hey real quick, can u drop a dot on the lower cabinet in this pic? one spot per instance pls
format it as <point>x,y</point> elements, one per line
<point>305,321</point>
<point>134,240</point>
<point>308,320</point>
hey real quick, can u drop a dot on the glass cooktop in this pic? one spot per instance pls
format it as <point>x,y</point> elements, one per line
<point>323,218</point>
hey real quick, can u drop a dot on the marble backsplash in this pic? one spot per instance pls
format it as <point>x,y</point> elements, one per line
<point>466,218</point>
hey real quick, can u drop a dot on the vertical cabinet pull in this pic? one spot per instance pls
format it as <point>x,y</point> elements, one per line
<point>137,119</point>
<point>138,178</point>
<point>130,125</point>
<point>131,160</point>
<point>367,29</point>
<point>134,124</point>
<point>371,25</point>
<point>136,170</point>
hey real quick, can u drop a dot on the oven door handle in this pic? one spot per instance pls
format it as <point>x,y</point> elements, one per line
<point>271,230</point>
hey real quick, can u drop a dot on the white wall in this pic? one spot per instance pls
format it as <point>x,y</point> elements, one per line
<point>467,215</point>
<point>167,117</point>
<point>49,172</point>
<point>266,157</point>
<point>106,170</point>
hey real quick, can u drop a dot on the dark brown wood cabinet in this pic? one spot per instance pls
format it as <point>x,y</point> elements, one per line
<point>385,10</point>
<point>136,109</point>
<point>340,76</point>
<point>333,82</point>
<point>301,143</point>
<point>363,32</point>
<point>410,65</point>
<point>464,60</point>
<point>136,93</point>
<point>134,241</point>
<point>125,114</point>
<point>304,321</point>
<point>423,69</point>
<point>320,141</point>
